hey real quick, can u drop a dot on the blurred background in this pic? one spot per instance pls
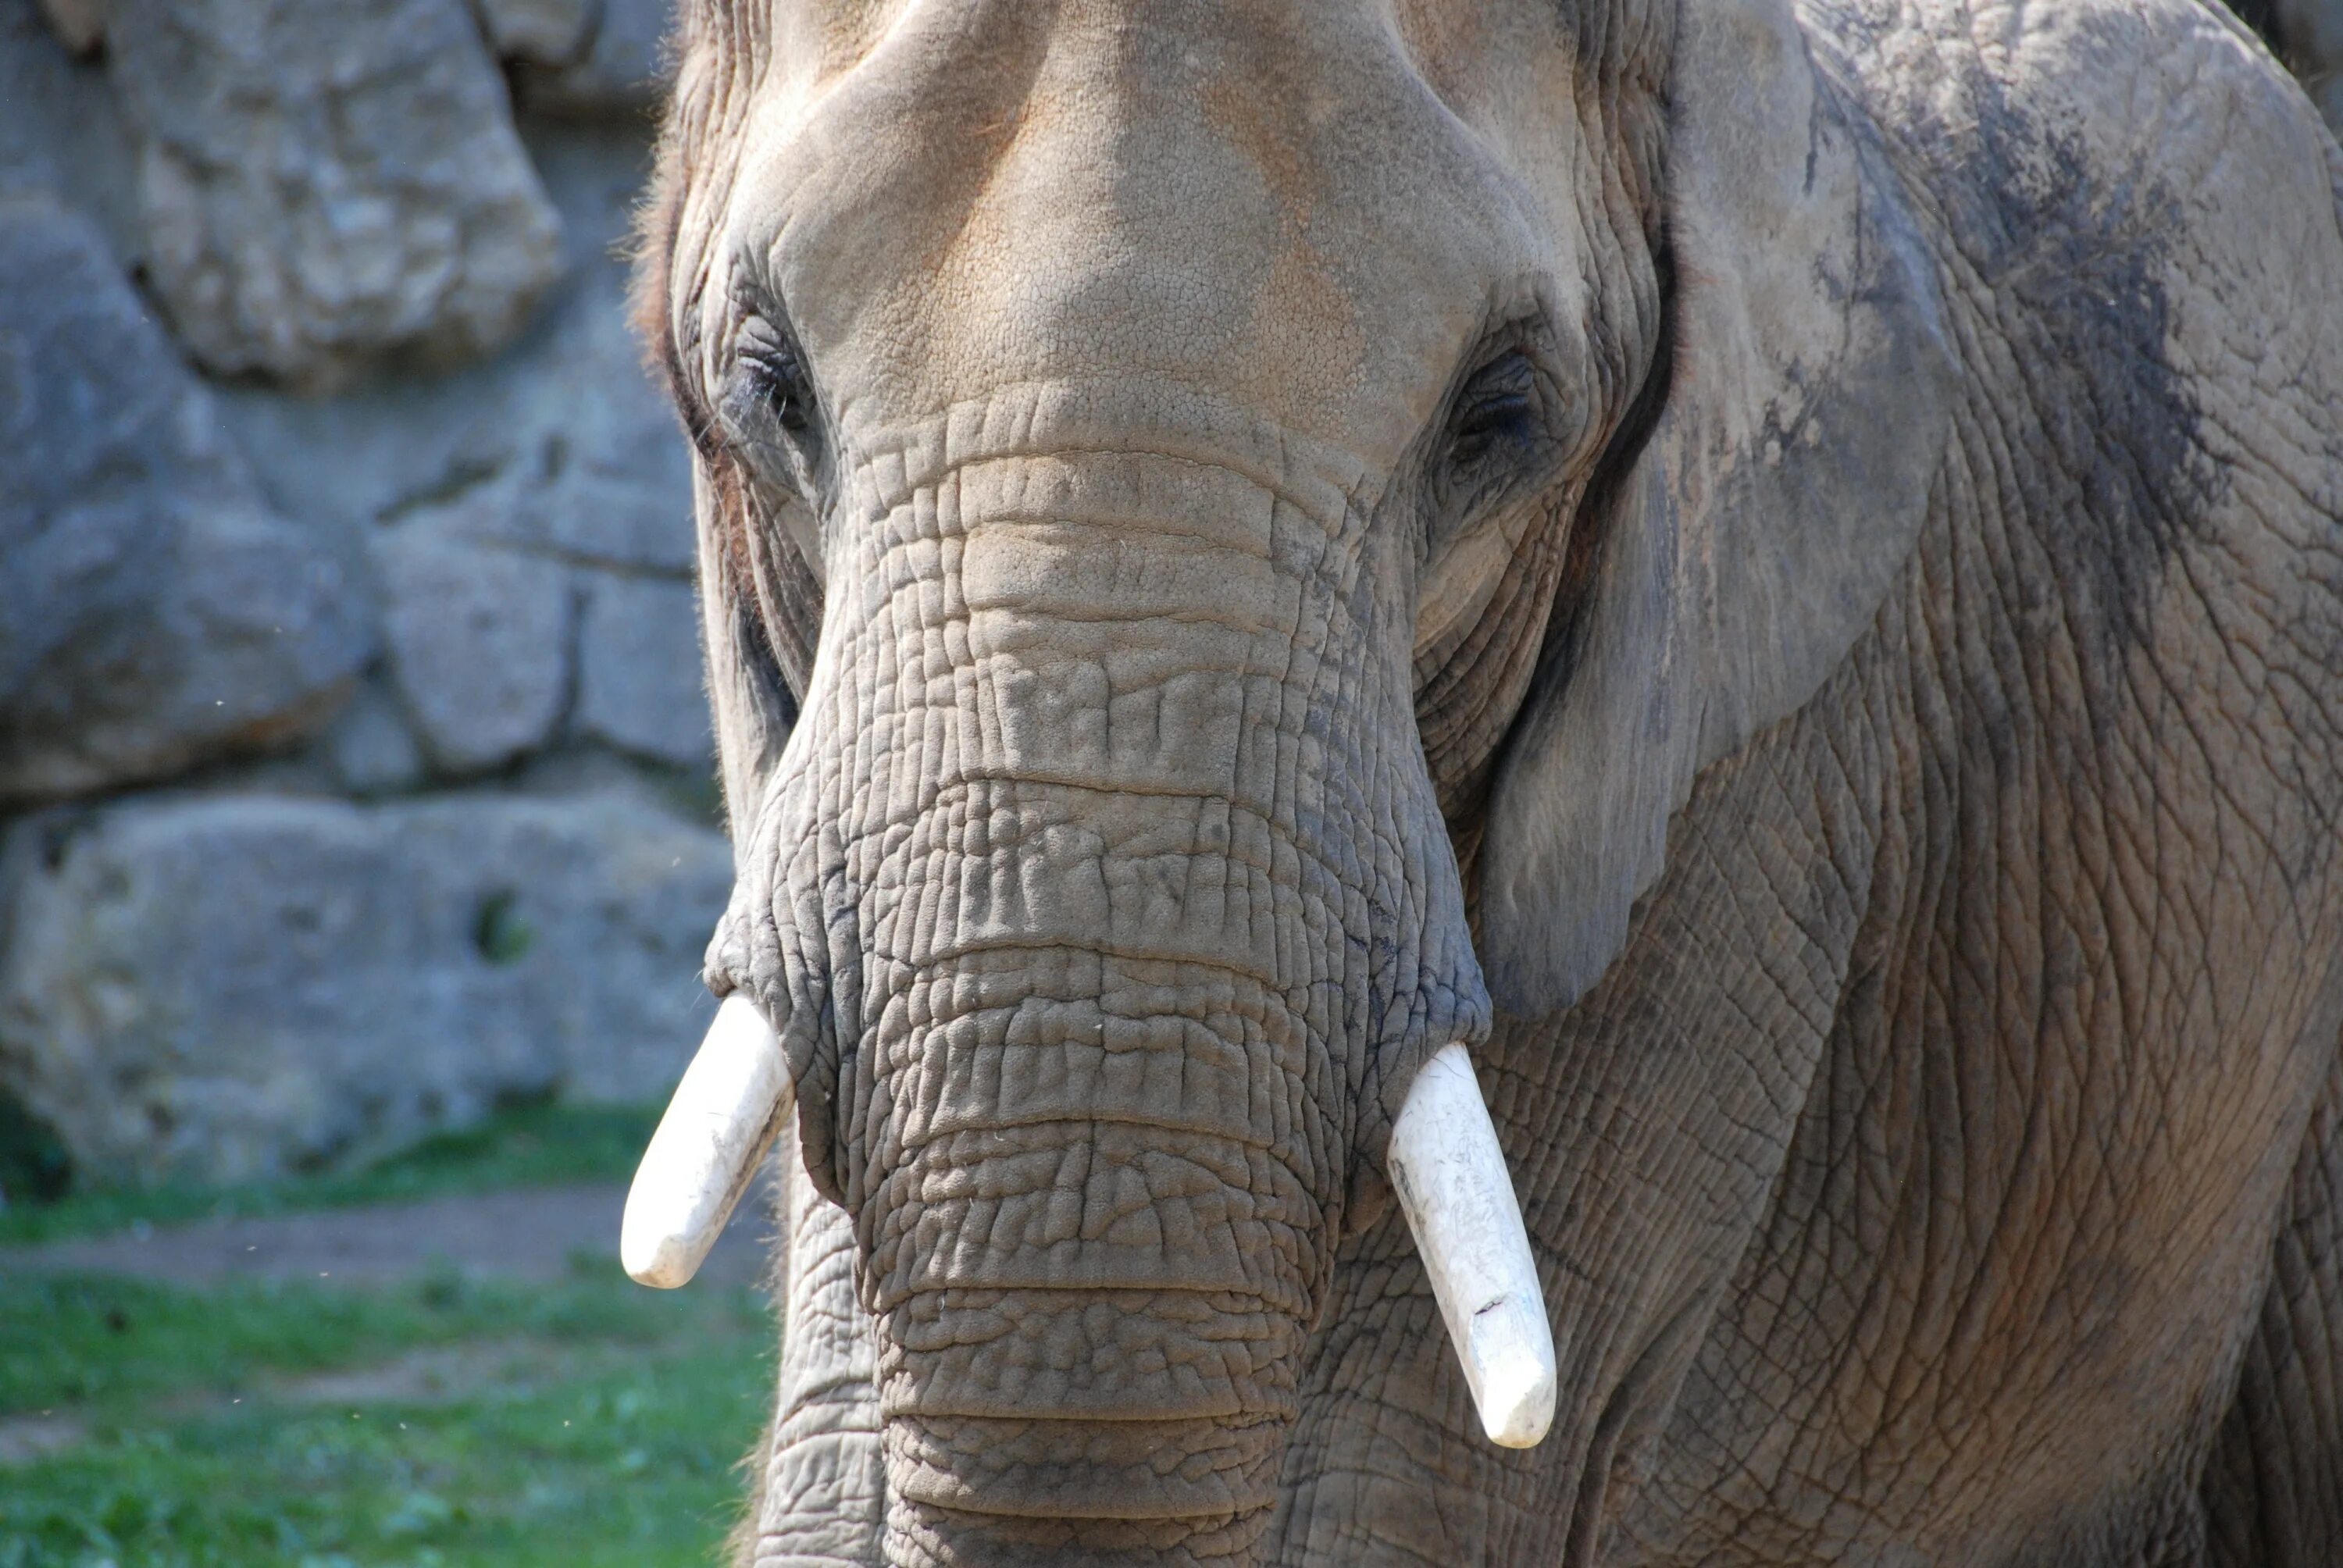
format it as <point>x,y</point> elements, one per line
<point>358,832</point>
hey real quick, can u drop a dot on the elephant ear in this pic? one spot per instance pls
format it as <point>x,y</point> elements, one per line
<point>1778,494</point>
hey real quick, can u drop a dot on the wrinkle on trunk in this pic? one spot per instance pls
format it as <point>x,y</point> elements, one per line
<point>1107,837</point>
<point>820,1493</point>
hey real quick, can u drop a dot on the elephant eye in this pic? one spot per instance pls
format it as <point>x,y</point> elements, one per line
<point>1499,409</point>
<point>768,406</point>
<point>778,380</point>
<point>1501,435</point>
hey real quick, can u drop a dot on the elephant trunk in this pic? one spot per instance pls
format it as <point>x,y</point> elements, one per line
<point>1110,997</point>
<point>1094,1259</point>
<point>1136,910</point>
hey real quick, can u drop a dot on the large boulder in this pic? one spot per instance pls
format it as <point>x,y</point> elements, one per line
<point>154,612</point>
<point>604,469</point>
<point>329,182</point>
<point>640,686</point>
<point>227,989</point>
<point>563,445</point>
<point>531,518</point>
<point>479,642</point>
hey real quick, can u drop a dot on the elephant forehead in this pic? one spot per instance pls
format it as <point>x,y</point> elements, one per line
<point>1270,202</point>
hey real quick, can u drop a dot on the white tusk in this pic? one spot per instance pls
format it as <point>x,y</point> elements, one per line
<point>1453,1186</point>
<point>732,1102</point>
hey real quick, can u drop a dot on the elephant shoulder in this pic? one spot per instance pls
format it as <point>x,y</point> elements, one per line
<point>2084,114</point>
<point>2139,216</point>
<point>2056,132</point>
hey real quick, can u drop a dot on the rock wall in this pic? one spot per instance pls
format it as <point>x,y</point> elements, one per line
<point>354,769</point>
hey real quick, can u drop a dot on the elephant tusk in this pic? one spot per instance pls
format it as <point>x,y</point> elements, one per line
<point>725,1114</point>
<point>1450,1176</point>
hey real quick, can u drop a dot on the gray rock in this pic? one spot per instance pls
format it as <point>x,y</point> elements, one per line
<point>638,670</point>
<point>614,484</point>
<point>154,612</point>
<point>371,748</point>
<point>623,72</point>
<point>329,182</point>
<point>80,25</point>
<point>478,638</point>
<point>228,989</point>
<point>563,444</point>
<point>549,32</point>
<point>61,130</point>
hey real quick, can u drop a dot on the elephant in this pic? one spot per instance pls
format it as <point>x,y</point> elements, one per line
<point>1688,650</point>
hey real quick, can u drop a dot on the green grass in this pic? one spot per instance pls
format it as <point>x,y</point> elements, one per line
<point>109,1341</point>
<point>614,1450</point>
<point>439,1421</point>
<point>532,1145</point>
<point>631,1465</point>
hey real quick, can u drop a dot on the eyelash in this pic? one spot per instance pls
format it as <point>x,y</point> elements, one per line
<point>779,379</point>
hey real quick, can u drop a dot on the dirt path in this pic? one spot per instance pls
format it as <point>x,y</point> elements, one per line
<point>527,1234</point>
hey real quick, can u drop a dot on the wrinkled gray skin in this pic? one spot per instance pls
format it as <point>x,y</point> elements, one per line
<point>1771,565</point>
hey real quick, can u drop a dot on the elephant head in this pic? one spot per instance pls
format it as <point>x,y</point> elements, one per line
<point>1226,533</point>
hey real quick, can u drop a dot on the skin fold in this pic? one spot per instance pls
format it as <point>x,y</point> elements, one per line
<point>1773,568</point>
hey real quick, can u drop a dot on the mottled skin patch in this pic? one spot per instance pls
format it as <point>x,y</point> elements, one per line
<point>1889,776</point>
